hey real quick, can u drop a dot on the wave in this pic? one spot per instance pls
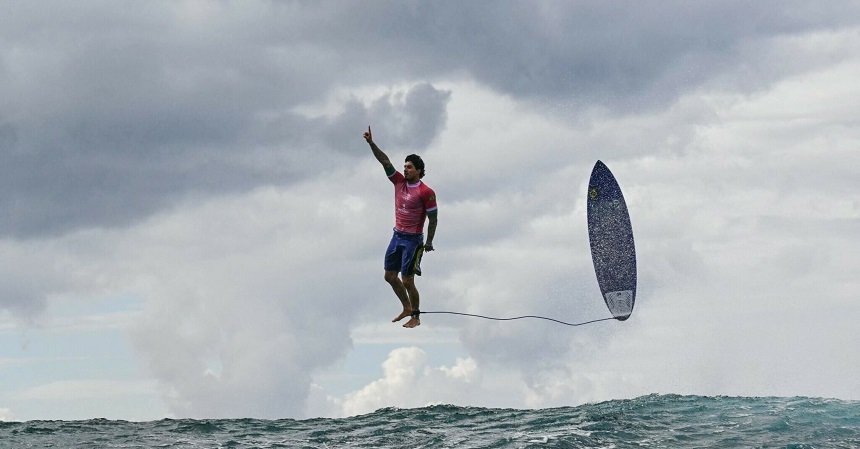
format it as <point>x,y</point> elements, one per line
<point>648,421</point>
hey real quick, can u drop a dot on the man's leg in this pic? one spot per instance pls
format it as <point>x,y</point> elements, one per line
<point>409,286</point>
<point>401,292</point>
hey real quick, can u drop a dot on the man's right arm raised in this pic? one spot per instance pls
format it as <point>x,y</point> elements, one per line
<point>380,156</point>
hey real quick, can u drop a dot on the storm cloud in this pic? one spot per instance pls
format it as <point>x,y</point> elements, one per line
<point>203,161</point>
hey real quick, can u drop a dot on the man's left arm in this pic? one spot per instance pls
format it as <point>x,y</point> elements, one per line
<point>433,217</point>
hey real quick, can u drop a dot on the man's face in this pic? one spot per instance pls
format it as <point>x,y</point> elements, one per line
<point>411,173</point>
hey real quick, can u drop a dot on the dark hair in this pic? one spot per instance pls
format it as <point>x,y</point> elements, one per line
<point>418,163</point>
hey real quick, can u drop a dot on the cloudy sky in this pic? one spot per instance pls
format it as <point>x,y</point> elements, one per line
<point>193,226</point>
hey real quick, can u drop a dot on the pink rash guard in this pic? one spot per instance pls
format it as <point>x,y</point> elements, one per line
<point>411,204</point>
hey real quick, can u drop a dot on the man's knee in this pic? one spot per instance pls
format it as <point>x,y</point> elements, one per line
<point>391,277</point>
<point>409,281</point>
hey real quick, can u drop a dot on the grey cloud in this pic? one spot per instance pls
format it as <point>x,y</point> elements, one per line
<point>412,119</point>
<point>262,362</point>
<point>21,298</point>
<point>108,132</point>
<point>407,120</point>
<point>109,115</point>
<point>620,55</point>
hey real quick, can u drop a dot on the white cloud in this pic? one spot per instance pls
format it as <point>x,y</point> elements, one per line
<point>378,330</point>
<point>705,213</point>
<point>408,382</point>
<point>77,390</point>
<point>249,217</point>
<point>259,290</point>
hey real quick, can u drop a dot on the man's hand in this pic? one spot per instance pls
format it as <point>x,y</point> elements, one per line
<point>380,156</point>
<point>428,247</point>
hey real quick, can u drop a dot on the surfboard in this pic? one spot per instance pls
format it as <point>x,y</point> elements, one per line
<point>610,235</point>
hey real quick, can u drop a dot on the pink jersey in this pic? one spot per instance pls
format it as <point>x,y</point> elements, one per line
<point>411,204</point>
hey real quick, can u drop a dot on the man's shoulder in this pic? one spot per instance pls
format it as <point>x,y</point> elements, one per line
<point>427,193</point>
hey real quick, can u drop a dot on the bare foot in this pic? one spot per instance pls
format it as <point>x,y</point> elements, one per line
<point>414,322</point>
<point>402,315</point>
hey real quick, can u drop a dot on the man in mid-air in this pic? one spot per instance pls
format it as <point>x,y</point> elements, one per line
<point>413,202</point>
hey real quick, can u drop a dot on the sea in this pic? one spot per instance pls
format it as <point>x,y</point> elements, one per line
<point>654,421</point>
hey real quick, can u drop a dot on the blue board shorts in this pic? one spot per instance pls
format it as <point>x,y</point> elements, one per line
<point>404,253</point>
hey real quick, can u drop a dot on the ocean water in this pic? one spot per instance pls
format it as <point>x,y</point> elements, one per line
<point>654,421</point>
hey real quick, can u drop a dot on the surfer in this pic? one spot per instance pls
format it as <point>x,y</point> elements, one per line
<point>413,202</point>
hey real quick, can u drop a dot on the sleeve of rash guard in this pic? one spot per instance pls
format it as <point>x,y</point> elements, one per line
<point>429,199</point>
